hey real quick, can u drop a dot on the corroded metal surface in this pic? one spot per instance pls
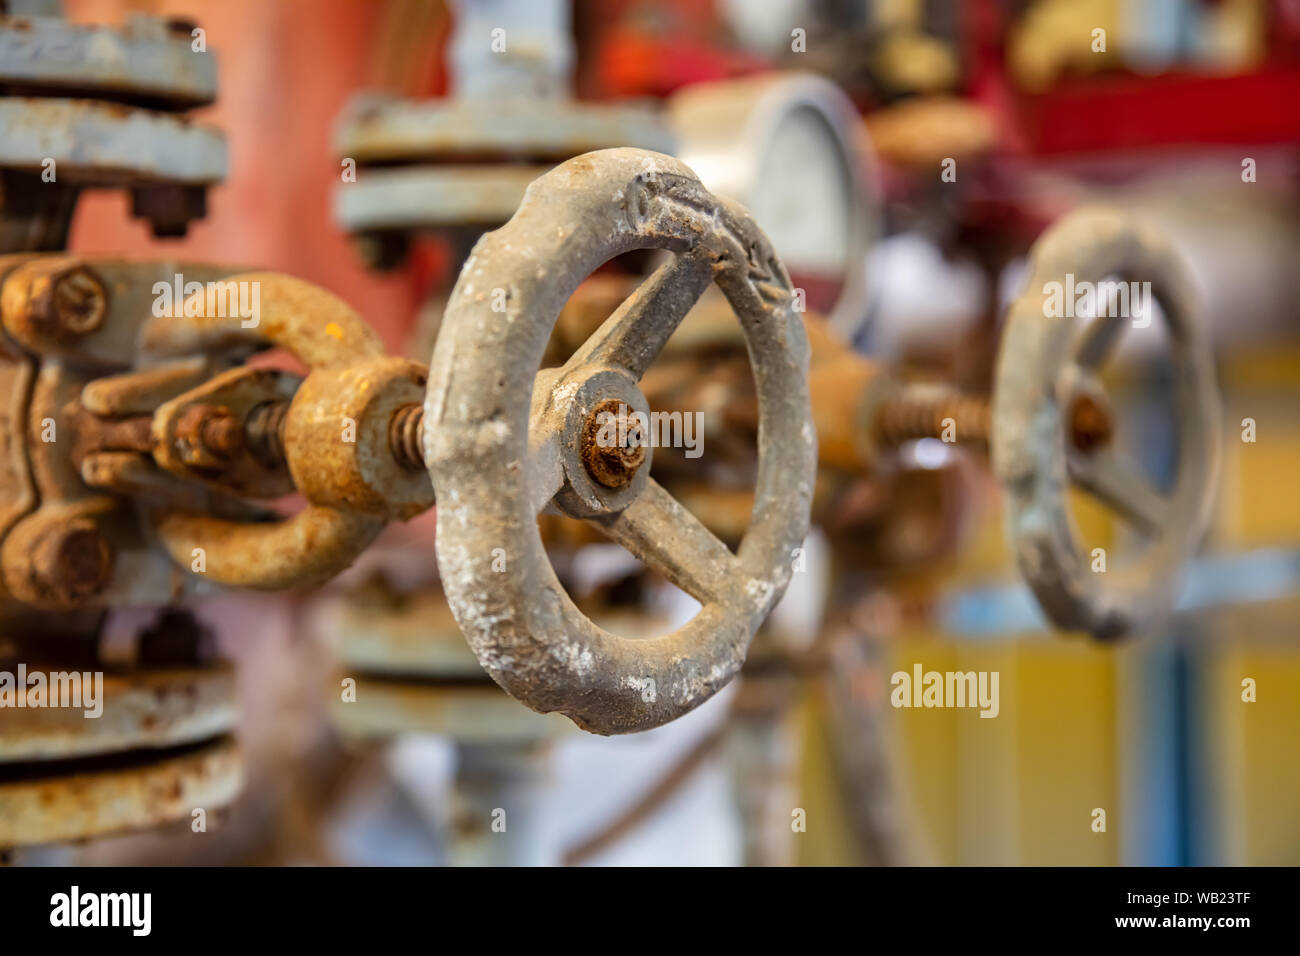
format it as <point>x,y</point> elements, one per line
<point>521,127</point>
<point>317,542</point>
<point>391,635</point>
<point>464,161</point>
<point>183,433</point>
<point>478,713</point>
<point>151,707</point>
<point>104,144</point>
<point>65,542</point>
<point>430,197</point>
<point>147,59</point>
<point>130,331</point>
<point>93,107</point>
<point>1046,365</point>
<point>150,424</point>
<point>364,474</point>
<point>414,672</point>
<point>613,464</point>
<point>503,440</point>
<point>931,412</point>
<point>64,300</point>
<point>80,805</point>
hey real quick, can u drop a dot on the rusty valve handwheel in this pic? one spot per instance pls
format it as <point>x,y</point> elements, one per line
<point>502,440</point>
<point>1051,426</point>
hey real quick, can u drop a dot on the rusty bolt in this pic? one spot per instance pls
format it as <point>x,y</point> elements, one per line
<point>80,302</point>
<point>612,464</point>
<point>209,436</point>
<point>1090,423</point>
<point>73,561</point>
<point>64,299</point>
<point>169,208</point>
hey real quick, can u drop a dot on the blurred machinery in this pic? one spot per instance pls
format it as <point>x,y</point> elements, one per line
<point>173,435</point>
<point>152,450</point>
<point>451,169</point>
<point>456,166</point>
<point>101,107</point>
<point>1049,424</point>
<point>763,140</point>
<point>788,146</point>
<point>87,107</point>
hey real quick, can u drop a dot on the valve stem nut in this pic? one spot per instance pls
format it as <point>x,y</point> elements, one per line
<point>613,463</point>
<point>208,437</point>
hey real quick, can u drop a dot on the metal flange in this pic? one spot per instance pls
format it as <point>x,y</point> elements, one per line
<point>91,107</point>
<point>102,144</point>
<point>447,163</point>
<point>148,60</point>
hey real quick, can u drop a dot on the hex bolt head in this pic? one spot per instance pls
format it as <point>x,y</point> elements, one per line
<point>612,464</point>
<point>73,561</point>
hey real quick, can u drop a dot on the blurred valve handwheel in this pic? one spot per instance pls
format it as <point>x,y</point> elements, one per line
<point>1052,426</point>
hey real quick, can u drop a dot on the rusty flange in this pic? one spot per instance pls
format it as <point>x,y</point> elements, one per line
<point>1049,427</point>
<point>147,708</point>
<point>84,803</point>
<point>143,747</point>
<point>502,441</point>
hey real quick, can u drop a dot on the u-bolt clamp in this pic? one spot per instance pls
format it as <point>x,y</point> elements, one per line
<point>332,430</point>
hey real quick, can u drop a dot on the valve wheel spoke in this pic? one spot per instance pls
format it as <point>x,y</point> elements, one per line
<point>545,467</point>
<point>639,328</point>
<point>668,538</point>
<point>1098,341</point>
<point>1119,485</point>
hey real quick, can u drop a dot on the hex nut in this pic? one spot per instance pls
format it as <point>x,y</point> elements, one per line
<point>337,438</point>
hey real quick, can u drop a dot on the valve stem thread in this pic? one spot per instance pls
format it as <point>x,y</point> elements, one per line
<point>918,414</point>
<point>264,432</point>
<point>404,436</point>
